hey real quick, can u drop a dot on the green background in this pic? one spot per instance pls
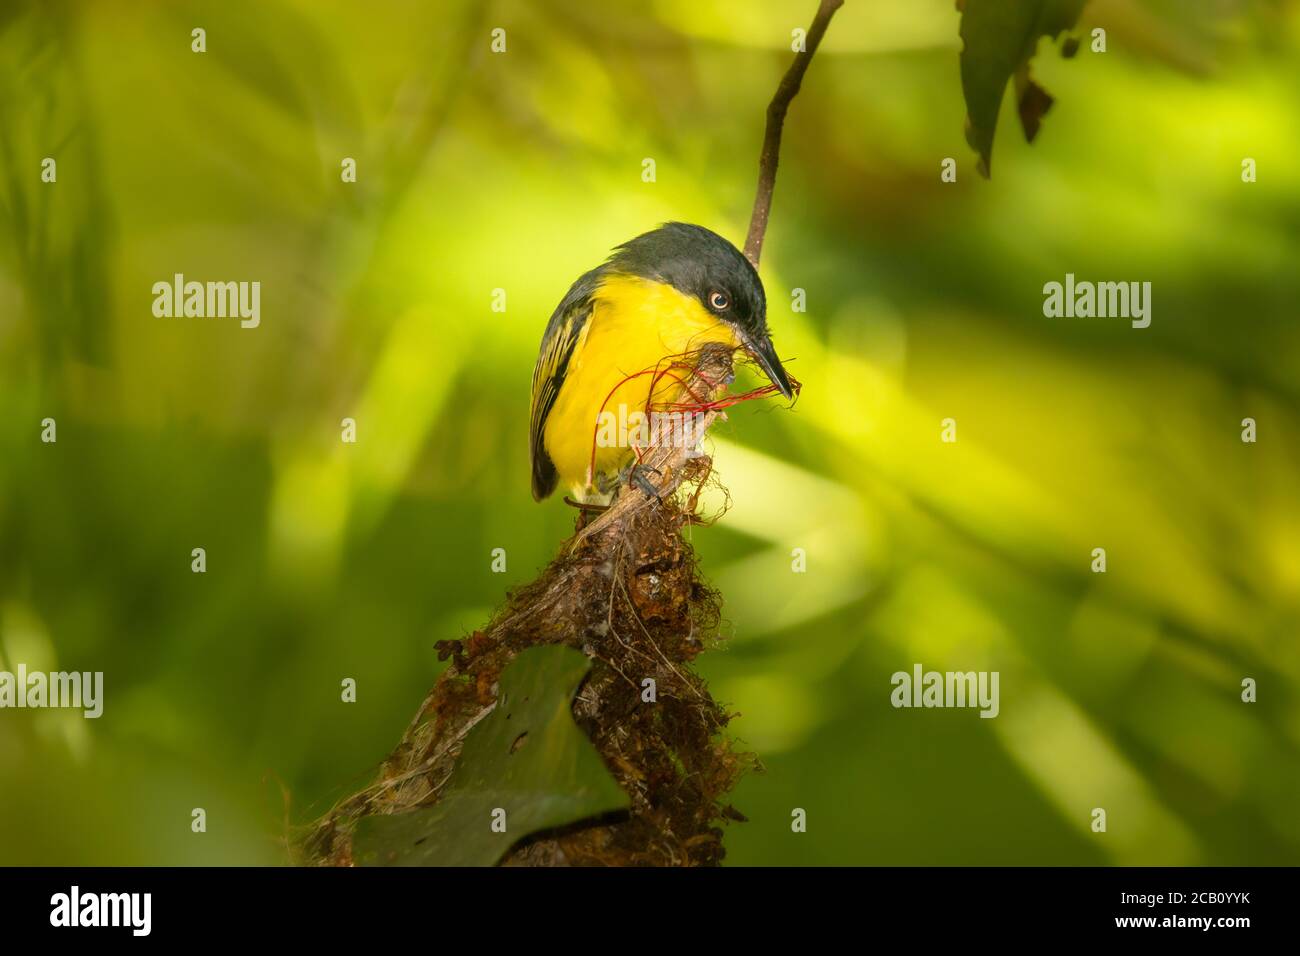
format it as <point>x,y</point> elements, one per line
<point>520,171</point>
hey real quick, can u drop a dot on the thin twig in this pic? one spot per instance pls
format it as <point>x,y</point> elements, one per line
<point>776,110</point>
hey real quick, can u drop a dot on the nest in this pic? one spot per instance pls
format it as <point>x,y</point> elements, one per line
<point>627,592</point>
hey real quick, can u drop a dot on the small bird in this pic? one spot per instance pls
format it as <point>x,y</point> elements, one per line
<point>659,296</point>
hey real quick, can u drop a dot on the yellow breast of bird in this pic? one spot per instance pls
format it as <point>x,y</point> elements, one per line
<point>636,325</point>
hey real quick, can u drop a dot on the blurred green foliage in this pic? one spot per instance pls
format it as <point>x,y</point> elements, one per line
<point>528,755</point>
<point>519,171</point>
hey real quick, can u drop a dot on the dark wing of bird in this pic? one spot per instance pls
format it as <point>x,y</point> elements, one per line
<point>562,335</point>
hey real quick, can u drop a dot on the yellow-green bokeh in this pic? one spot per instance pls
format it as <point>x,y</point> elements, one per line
<point>518,171</point>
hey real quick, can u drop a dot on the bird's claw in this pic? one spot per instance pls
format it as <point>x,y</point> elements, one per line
<point>638,476</point>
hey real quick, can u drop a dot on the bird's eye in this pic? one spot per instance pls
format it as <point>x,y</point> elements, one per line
<point>718,300</point>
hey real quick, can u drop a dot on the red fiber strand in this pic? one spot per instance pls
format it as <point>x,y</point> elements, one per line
<point>686,363</point>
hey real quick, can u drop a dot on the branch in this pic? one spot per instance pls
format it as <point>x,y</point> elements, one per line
<point>627,593</point>
<point>776,111</point>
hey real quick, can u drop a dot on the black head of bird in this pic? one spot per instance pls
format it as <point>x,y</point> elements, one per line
<point>700,263</point>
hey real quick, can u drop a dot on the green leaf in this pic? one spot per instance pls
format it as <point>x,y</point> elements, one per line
<point>999,39</point>
<point>527,757</point>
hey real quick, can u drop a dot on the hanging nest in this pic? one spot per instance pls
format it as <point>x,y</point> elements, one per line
<point>627,592</point>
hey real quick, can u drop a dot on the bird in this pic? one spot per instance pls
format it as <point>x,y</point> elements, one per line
<point>658,297</point>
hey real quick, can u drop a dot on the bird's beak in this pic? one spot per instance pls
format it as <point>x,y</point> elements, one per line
<point>760,346</point>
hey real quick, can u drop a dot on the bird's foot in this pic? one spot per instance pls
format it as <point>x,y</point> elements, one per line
<point>637,475</point>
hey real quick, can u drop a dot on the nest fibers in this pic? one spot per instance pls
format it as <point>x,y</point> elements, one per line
<point>627,592</point>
